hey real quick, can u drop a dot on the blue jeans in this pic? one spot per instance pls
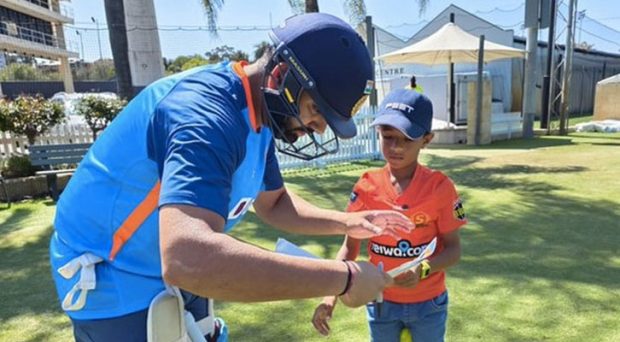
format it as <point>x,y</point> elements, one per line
<point>132,327</point>
<point>426,320</point>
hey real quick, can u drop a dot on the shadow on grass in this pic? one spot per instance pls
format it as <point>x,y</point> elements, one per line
<point>13,222</point>
<point>25,278</point>
<point>541,239</point>
<point>518,144</point>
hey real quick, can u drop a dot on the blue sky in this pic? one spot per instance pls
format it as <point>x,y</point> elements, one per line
<point>245,23</point>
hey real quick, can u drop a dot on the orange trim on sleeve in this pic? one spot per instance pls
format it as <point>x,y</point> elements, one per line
<point>135,220</point>
<point>238,68</point>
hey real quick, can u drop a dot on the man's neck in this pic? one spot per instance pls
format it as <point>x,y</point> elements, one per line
<point>255,73</point>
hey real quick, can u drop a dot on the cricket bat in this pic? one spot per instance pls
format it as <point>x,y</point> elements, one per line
<point>427,252</point>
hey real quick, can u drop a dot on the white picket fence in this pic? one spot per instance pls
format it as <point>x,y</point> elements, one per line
<point>363,146</point>
<point>11,144</point>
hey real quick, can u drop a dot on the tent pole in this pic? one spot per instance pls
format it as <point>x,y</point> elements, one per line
<point>479,91</point>
<point>451,85</point>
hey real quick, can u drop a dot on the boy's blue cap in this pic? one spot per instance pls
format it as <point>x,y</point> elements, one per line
<point>337,62</point>
<point>408,111</point>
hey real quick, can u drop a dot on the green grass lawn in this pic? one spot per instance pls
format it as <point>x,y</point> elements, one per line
<point>541,256</point>
<point>572,121</point>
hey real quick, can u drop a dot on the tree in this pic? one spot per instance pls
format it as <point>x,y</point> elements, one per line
<point>19,72</point>
<point>259,49</point>
<point>98,111</point>
<point>102,69</point>
<point>355,8</point>
<point>115,15</point>
<point>194,61</point>
<point>31,116</point>
<point>225,52</point>
<point>176,65</point>
<point>212,8</point>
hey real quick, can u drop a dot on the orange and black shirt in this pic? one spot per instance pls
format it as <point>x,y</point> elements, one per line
<point>431,202</point>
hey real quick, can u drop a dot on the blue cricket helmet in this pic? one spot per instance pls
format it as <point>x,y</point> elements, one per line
<point>330,61</point>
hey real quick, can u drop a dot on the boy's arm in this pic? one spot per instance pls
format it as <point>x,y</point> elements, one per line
<point>349,250</point>
<point>450,255</point>
<point>323,312</point>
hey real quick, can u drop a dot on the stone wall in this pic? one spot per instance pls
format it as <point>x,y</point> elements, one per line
<point>30,187</point>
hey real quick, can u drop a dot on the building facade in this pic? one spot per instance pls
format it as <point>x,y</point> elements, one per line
<point>35,28</point>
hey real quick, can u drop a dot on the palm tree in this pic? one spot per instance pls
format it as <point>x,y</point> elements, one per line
<point>355,8</point>
<point>212,8</point>
<point>115,15</point>
<point>260,48</point>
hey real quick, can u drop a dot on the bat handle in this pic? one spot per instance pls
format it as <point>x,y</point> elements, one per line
<point>380,295</point>
<point>379,299</point>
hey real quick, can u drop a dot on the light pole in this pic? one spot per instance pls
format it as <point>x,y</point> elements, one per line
<point>580,16</point>
<point>81,43</point>
<point>98,36</point>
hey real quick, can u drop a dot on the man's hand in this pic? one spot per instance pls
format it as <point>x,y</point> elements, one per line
<point>366,282</point>
<point>366,224</point>
<point>408,279</point>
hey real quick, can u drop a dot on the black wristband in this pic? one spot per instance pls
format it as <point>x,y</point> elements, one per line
<point>349,277</point>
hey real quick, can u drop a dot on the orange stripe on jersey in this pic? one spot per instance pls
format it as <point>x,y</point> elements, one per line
<point>238,68</point>
<point>135,220</point>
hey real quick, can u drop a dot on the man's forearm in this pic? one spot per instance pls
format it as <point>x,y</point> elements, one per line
<point>218,266</point>
<point>197,257</point>
<point>294,214</point>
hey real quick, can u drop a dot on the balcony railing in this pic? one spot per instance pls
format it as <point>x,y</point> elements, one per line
<point>13,30</point>
<point>42,3</point>
<point>66,9</point>
<point>63,8</point>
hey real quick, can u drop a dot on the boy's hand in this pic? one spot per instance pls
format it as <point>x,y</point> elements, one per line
<point>366,224</point>
<point>322,314</point>
<point>408,279</point>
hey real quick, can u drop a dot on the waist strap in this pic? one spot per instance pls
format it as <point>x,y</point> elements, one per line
<point>85,263</point>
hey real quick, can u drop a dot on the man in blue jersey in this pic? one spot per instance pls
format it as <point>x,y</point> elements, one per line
<point>146,212</point>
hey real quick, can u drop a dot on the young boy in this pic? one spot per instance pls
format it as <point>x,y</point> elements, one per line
<point>418,300</point>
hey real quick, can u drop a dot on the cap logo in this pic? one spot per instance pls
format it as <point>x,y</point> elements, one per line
<point>370,84</point>
<point>358,105</point>
<point>400,107</point>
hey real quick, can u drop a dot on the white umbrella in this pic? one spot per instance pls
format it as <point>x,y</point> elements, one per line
<point>450,44</point>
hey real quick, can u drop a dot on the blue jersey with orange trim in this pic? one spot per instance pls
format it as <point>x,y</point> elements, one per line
<point>191,131</point>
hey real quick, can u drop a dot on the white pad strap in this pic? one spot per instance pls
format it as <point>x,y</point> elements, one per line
<point>207,324</point>
<point>165,319</point>
<point>173,322</point>
<point>88,280</point>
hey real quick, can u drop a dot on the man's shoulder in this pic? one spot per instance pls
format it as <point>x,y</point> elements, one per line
<point>211,93</point>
